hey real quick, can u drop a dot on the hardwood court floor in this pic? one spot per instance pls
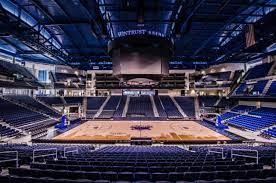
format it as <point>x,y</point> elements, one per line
<point>160,130</point>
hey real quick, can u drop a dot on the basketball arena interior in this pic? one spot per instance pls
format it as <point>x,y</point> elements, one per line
<point>137,91</point>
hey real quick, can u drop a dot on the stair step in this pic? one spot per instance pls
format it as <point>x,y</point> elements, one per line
<point>126,107</point>
<point>179,108</point>
<point>154,108</point>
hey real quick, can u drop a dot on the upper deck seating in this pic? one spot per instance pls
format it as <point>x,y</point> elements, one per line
<point>251,122</point>
<point>228,115</point>
<point>110,107</point>
<point>94,103</point>
<point>243,108</point>
<point>23,118</point>
<point>259,71</point>
<point>73,100</point>
<point>112,103</point>
<point>241,88</point>
<point>119,112</point>
<point>207,101</point>
<point>8,132</point>
<point>161,111</point>
<point>259,86</point>
<point>140,106</point>
<point>187,104</point>
<point>272,89</point>
<point>51,100</point>
<point>264,111</point>
<point>270,132</point>
<point>170,107</point>
<point>64,77</point>
<point>34,104</point>
<point>226,102</point>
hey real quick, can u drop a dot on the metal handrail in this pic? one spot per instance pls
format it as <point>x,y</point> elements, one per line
<point>217,152</point>
<point>70,151</point>
<point>44,155</point>
<point>8,160</point>
<point>246,156</point>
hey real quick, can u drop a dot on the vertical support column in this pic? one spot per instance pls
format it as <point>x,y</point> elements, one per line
<point>84,107</point>
<point>197,108</point>
<point>91,85</point>
<point>187,81</point>
<point>155,112</point>
<point>126,107</point>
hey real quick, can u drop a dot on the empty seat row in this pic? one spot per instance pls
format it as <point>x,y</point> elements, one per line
<point>156,176</point>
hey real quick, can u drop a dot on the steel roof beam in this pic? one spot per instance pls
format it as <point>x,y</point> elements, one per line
<point>94,17</point>
<point>133,9</point>
<point>164,4</point>
<point>40,7</point>
<point>36,20</point>
<point>190,15</point>
<point>69,19</point>
<point>12,44</point>
<point>86,47</point>
<point>226,15</point>
<point>30,37</point>
<point>222,28</point>
<point>241,4</point>
<point>237,26</point>
<point>164,21</point>
<point>30,52</point>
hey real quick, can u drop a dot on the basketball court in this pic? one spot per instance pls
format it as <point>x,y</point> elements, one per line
<point>157,130</point>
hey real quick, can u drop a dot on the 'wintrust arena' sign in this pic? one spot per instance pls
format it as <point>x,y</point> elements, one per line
<point>140,32</point>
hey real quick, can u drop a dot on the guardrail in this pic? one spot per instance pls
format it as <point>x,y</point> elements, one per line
<point>68,151</point>
<point>233,154</point>
<point>53,152</point>
<point>15,159</point>
<point>220,151</point>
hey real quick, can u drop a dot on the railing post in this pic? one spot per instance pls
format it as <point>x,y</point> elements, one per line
<point>15,159</point>
<point>70,151</point>
<point>217,152</point>
<point>33,156</point>
<point>17,163</point>
<point>246,156</point>
<point>45,155</point>
<point>257,157</point>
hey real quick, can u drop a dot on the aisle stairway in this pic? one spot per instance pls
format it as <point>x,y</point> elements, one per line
<point>179,108</point>
<point>102,107</point>
<point>126,107</point>
<point>155,111</point>
<point>267,86</point>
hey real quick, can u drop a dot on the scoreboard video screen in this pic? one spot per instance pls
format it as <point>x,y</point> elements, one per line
<point>138,56</point>
<point>139,61</point>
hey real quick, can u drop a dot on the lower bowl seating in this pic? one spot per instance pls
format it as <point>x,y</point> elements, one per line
<point>144,164</point>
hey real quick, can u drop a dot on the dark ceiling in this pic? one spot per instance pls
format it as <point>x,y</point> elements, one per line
<point>72,31</point>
